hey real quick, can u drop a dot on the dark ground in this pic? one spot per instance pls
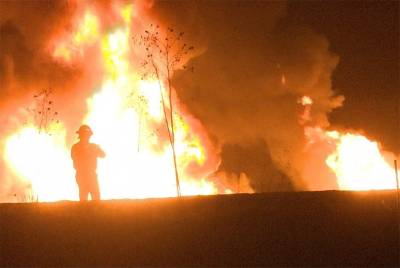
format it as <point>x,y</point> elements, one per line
<point>278,229</point>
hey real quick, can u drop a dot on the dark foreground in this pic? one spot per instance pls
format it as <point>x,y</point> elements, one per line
<point>279,229</point>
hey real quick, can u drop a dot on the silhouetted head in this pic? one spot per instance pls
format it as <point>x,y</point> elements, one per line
<point>84,132</point>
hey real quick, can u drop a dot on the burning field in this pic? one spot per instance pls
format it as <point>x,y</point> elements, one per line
<point>233,106</point>
<point>178,111</point>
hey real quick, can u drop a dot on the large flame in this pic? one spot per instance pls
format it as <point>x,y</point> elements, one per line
<point>359,163</point>
<point>126,115</point>
<point>356,162</point>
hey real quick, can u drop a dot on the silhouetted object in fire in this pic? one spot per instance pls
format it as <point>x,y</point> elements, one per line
<point>84,156</point>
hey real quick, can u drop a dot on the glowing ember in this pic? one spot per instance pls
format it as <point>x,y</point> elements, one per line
<point>283,80</point>
<point>305,117</point>
<point>306,100</point>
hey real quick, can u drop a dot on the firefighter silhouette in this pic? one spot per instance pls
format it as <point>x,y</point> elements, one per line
<point>84,156</point>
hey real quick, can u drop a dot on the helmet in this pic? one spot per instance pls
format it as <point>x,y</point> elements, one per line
<point>84,129</point>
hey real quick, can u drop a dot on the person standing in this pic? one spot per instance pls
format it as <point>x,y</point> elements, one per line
<point>84,156</point>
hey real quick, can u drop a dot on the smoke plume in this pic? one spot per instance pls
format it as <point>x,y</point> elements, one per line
<point>246,84</point>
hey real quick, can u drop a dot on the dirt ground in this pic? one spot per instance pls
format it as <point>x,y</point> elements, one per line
<point>275,229</point>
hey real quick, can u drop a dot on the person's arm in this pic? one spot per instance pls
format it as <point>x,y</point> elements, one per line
<point>100,152</point>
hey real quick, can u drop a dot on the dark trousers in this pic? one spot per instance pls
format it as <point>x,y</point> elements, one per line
<point>88,184</point>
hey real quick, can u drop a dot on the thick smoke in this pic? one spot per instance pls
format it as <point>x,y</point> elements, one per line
<point>24,58</point>
<point>247,82</point>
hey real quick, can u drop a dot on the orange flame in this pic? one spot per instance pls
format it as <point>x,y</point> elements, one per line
<point>357,162</point>
<point>126,116</point>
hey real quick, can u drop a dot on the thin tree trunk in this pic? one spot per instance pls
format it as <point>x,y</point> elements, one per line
<point>171,132</point>
<point>178,187</point>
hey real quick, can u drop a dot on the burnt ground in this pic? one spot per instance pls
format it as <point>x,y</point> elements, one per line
<point>279,229</point>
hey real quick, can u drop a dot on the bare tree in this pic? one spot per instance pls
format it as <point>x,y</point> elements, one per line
<point>164,52</point>
<point>138,102</point>
<point>43,111</point>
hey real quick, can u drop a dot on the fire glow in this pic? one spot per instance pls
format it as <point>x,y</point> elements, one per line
<point>126,114</point>
<point>357,162</point>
